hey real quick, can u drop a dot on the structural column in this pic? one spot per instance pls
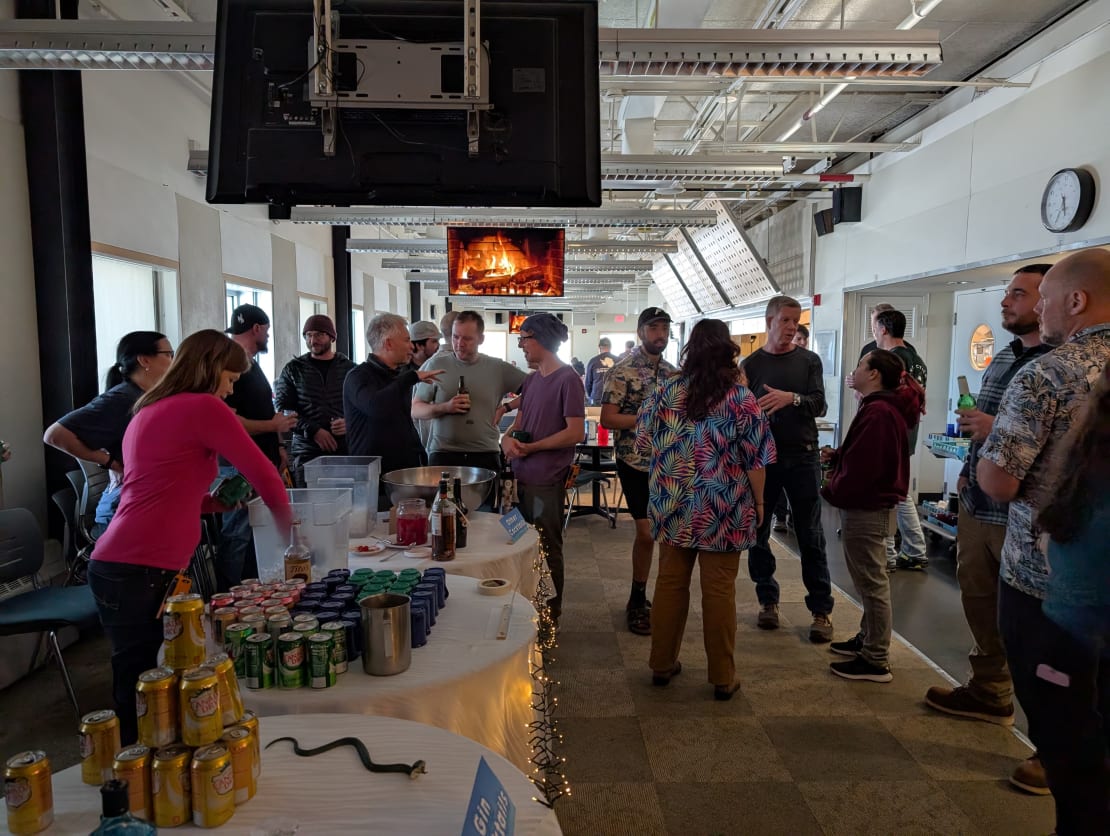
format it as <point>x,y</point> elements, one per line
<point>341,264</point>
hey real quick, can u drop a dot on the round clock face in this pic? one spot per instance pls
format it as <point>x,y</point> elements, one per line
<point>1068,199</point>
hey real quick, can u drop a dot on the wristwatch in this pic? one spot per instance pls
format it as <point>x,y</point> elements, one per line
<point>797,399</point>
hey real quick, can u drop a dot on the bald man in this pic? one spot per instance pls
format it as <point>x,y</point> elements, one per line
<point>1036,412</point>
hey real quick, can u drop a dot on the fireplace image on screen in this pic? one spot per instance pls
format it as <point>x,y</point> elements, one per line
<point>483,261</point>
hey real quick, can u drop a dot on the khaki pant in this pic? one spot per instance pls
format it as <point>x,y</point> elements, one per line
<point>671,604</point>
<point>978,554</point>
<point>863,540</point>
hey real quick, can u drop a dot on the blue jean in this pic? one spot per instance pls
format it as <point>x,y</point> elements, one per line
<point>128,597</point>
<point>236,545</point>
<point>913,538</point>
<point>799,475</point>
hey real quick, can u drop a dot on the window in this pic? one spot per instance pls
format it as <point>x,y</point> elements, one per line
<point>310,305</point>
<point>358,335</point>
<point>237,295</point>
<point>131,296</point>
<point>496,345</point>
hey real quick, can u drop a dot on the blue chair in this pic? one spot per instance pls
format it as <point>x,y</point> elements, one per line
<point>40,609</point>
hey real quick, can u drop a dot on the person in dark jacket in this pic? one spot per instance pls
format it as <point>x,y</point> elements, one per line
<point>312,386</point>
<point>377,399</point>
<point>869,476</point>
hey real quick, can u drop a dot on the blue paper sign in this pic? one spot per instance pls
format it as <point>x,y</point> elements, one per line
<point>515,524</point>
<point>490,812</point>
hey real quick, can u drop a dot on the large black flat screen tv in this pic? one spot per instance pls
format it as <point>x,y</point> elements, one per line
<point>538,145</point>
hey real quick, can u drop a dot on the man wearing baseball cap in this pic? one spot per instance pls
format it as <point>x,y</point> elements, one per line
<point>311,386</point>
<point>425,341</point>
<point>626,385</point>
<point>596,369</point>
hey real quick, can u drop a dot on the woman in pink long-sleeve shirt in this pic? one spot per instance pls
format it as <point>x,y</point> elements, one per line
<point>170,449</point>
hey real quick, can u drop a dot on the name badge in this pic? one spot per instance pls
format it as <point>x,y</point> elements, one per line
<point>514,524</point>
<point>490,812</point>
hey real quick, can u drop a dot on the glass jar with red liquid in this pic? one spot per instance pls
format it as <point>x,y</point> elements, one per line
<point>412,522</point>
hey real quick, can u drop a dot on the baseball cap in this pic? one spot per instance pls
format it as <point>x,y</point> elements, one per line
<point>319,322</point>
<point>423,330</point>
<point>650,315</point>
<point>605,341</point>
<point>245,317</point>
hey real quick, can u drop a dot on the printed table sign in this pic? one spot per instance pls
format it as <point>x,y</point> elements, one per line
<point>490,812</point>
<point>515,524</point>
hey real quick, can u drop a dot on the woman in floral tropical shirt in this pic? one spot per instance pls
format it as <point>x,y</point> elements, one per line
<point>708,442</point>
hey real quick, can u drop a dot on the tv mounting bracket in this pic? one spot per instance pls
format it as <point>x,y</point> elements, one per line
<point>398,73</point>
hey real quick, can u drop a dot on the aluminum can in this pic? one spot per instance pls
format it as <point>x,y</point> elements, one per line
<point>98,741</point>
<point>306,628</point>
<point>223,618</point>
<point>213,782</point>
<point>251,583</point>
<point>274,609</point>
<point>199,699</point>
<point>221,599</point>
<point>290,655</point>
<point>238,591</point>
<point>307,618</point>
<point>183,631</point>
<point>231,701</point>
<point>133,766</point>
<point>250,721</point>
<point>28,792</point>
<point>321,669</point>
<point>338,634</point>
<point>259,661</point>
<point>250,609</point>
<point>235,639</point>
<point>169,785</point>
<point>156,707</point>
<point>241,747</point>
<point>278,624</point>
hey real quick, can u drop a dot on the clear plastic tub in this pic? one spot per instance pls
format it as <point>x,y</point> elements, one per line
<point>325,515</point>
<point>358,473</point>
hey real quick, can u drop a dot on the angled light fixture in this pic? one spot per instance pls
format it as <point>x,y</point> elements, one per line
<point>425,216</point>
<point>106,45</point>
<point>572,265</point>
<point>425,246</point>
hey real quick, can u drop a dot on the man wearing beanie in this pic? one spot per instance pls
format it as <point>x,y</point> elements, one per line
<point>540,444</point>
<point>311,386</point>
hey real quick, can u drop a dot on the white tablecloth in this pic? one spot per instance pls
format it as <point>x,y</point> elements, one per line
<point>488,554</point>
<point>464,679</point>
<point>332,793</point>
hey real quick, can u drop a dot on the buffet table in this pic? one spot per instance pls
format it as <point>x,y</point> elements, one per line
<point>464,679</point>
<point>332,793</point>
<point>488,554</point>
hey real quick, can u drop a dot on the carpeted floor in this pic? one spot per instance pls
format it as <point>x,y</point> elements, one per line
<point>796,751</point>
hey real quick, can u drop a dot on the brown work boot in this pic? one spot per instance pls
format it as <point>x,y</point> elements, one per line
<point>961,702</point>
<point>768,618</point>
<point>1029,776</point>
<point>821,630</point>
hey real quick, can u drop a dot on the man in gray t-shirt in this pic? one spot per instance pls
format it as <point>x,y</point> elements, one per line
<point>464,426</point>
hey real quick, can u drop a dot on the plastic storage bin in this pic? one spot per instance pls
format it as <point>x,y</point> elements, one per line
<point>325,515</point>
<point>360,474</point>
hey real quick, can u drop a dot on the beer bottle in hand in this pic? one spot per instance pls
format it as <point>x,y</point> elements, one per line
<point>461,512</point>
<point>443,524</point>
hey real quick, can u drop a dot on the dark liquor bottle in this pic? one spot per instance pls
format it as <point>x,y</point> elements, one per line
<point>463,390</point>
<point>461,512</point>
<point>443,525</point>
<point>508,488</point>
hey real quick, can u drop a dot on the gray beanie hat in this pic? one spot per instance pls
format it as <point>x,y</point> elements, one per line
<point>547,329</point>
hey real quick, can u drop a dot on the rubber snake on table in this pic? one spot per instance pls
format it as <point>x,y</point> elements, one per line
<point>412,770</point>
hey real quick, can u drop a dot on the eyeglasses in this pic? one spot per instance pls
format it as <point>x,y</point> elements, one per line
<point>520,340</point>
<point>168,352</point>
<point>311,335</point>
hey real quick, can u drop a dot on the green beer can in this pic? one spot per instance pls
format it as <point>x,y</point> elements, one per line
<point>321,668</point>
<point>260,661</point>
<point>235,640</point>
<point>290,660</point>
<point>306,618</point>
<point>338,632</point>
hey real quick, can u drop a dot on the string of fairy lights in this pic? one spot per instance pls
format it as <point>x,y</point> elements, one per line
<point>547,764</point>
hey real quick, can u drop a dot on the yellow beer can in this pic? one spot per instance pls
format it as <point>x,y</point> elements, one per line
<point>28,792</point>
<point>199,699</point>
<point>98,741</point>
<point>213,782</point>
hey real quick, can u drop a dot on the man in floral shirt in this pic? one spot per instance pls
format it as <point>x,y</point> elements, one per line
<point>626,386</point>
<point>1036,412</point>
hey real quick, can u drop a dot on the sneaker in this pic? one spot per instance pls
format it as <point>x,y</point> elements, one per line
<point>821,630</point>
<point>860,668</point>
<point>915,563</point>
<point>768,618</point>
<point>961,702</point>
<point>780,525</point>
<point>1029,776</point>
<point>891,564</point>
<point>852,647</point>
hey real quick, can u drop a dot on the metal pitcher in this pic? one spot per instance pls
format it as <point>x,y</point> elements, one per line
<point>386,634</point>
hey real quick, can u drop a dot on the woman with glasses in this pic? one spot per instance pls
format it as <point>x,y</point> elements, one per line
<point>171,446</point>
<point>94,433</point>
<point>708,443</point>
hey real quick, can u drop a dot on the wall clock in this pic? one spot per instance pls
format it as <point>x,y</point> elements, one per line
<point>1068,200</point>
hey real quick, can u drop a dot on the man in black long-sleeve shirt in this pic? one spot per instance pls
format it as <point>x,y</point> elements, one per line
<point>786,380</point>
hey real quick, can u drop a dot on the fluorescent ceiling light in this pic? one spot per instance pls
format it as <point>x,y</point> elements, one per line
<point>106,45</point>
<point>424,246</point>
<point>572,265</point>
<point>434,276</point>
<point>424,216</point>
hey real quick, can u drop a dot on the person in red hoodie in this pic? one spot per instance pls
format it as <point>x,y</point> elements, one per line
<point>869,476</point>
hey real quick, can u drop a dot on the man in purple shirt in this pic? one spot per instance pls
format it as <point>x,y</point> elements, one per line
<point>540,444</point>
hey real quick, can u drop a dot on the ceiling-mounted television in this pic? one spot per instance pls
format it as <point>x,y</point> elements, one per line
<point>370,111</point>
<point>516,319</point>
<point>490,261</point>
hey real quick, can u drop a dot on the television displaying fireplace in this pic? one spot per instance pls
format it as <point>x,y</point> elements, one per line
<point>486,261</point>
<point>516,319</point>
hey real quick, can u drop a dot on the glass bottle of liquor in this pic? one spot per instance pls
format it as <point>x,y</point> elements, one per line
<point>443,524</point>
<point>462,524</point>
<point>298,557</point>
<point>508,488</point>
<point>115,816</point>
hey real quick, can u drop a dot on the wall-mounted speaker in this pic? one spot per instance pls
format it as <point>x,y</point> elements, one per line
<point>823,221</point>
<point>847,205</point>
<point>499,318</point>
